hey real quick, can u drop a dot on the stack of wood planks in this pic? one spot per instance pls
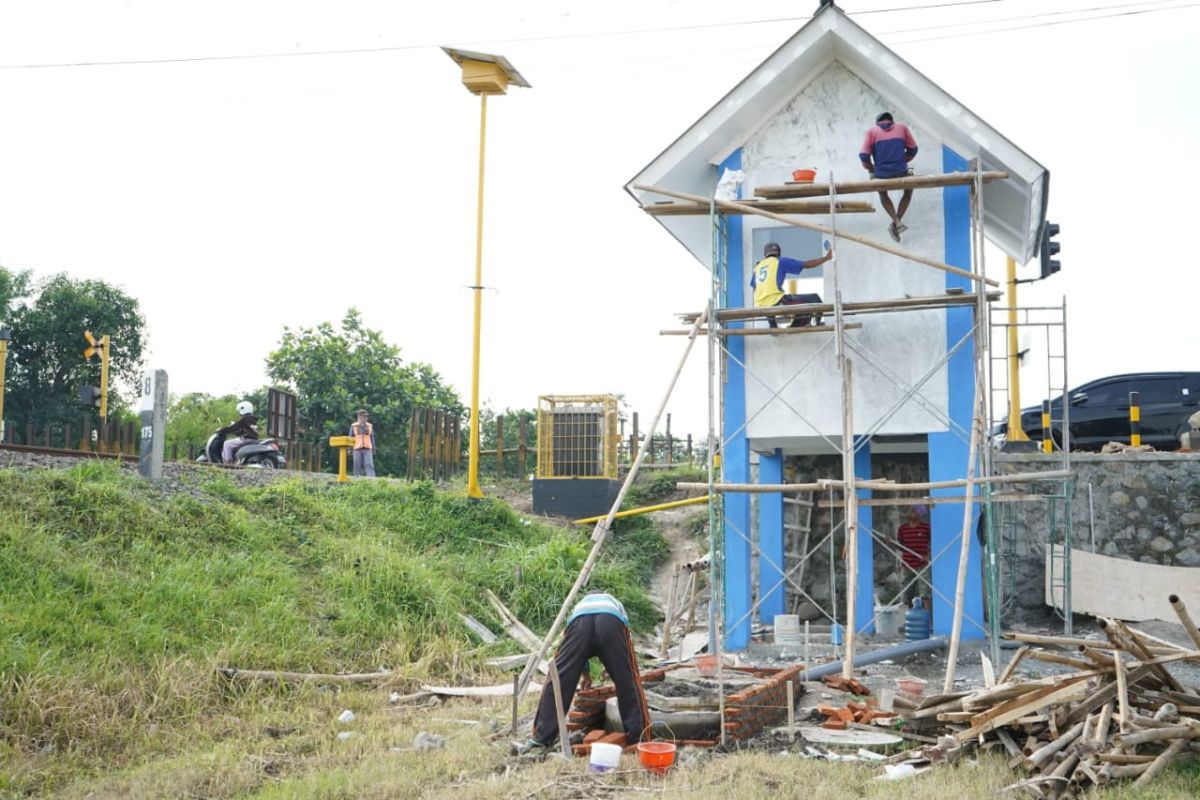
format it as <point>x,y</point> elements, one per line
<point>1116,712</point>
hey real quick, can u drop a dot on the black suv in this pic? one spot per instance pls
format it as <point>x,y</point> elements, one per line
<point>1100,410</point>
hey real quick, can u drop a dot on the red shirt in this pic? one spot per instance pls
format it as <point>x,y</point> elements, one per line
<point>914,538</point>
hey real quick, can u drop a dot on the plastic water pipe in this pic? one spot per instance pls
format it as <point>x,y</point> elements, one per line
<point>875,656</point>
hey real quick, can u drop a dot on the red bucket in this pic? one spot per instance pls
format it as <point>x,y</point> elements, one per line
<point>656,756</point>
<point>804,175</point>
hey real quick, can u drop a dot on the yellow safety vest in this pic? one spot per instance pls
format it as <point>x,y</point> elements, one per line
<point>766,283</point>
<point>362,439</point>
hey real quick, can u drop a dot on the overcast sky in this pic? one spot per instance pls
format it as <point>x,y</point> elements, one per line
<point>234,196</point>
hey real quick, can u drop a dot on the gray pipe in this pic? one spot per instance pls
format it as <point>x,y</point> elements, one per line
<point>875,656</point>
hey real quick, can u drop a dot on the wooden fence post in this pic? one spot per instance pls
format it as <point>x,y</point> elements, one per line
<point>670,442</point>
<point>522,448</point>
<point>426,443</point>
<point>447,446</point>
<point>499,445</point>
<point>633,439</point>
<point>689,448</point>
<point>457,443</point>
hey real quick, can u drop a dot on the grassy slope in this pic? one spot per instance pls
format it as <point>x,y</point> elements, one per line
<point>117,601</point>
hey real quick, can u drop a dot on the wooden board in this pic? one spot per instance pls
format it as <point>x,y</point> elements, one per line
<point>1123,589</point>
<point>793,190</point>
<point>777,206</point>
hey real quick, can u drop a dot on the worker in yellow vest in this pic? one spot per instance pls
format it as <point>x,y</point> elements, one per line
<point>364,446</point>
<point>767,282</point>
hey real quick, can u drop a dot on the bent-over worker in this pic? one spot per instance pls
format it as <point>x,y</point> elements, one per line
<point>598,626</point>
<point>767,282</point>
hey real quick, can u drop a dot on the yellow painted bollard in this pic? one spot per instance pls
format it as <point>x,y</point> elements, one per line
<point>343,444</point>
<point>1135,420</point>
<point>1047,437</point>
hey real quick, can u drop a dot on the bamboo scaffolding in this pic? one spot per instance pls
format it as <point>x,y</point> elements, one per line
<point>762,331</point>
<point>729,205</point>
<point>883,486</point>
<point>861,307</point>
<point>778,206</point>
<point>794,190</point>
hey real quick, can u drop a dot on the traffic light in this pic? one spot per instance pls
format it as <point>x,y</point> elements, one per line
<point>89,395</point>
<point>1050,249</point>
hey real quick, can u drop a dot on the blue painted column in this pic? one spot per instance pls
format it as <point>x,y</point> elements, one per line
<point>770,539</point>
<point>735,460</point>
<point>864,593</point>
<point>948,451</point>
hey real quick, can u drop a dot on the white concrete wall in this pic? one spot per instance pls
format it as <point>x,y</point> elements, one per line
<point>823,127</point>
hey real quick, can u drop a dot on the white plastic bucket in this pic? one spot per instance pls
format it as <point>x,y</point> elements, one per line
<point>889,621</point>
<point>604,757</point>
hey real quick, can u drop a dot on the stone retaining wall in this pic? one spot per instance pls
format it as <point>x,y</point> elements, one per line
<point>1144,507</point>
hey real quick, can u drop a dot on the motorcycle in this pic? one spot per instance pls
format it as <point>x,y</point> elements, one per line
<point>258,453</point>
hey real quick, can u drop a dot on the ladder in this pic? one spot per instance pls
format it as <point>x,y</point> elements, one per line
<point>797,526</point>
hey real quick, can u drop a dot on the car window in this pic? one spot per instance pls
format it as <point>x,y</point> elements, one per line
<point>1110,393</point>
<point>1157,390</point>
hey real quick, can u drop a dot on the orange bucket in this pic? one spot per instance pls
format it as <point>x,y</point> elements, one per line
<point>656,756</point>
<point>803,175</point>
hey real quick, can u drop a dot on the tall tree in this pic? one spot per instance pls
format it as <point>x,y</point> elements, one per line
<point>46,365</point>
<point>13,287</point>
<point>336,371</point>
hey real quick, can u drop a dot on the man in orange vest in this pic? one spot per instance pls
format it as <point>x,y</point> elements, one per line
<point>364,446</point>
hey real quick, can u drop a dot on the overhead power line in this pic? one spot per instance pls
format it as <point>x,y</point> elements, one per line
<point>670,29</point>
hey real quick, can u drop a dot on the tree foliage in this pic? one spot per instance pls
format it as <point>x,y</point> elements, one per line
<point>46,365</point>
<point>13,287</point>
<point>336,371</point>
<point>194,416</point>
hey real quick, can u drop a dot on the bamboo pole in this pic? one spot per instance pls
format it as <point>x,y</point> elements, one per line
<point>1185,618</point>
<point>795,190</point>
<point>564,739</point>
<point>601,531</point>
<point>763,331</point>
<point>1157,765</point>
<point>964,549</point>
<point>922,302</point>
<point>729,205</point>
<point>778,206</point>
<point>300,677</point>
<point>888,486</point>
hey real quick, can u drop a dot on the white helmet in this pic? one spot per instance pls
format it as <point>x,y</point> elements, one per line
<point>245,407</point>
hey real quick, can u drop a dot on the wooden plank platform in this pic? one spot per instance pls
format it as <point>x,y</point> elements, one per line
<point>670,209</point>
<point>865,307</point>
<point>784,331</point>
<point>793,190</point>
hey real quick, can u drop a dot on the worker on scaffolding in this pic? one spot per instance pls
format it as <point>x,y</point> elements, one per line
<point>767,282</point>
<point>598,626</point>
<point>886,151</point>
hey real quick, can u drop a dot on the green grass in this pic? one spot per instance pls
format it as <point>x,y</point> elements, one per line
<point>119,601</point>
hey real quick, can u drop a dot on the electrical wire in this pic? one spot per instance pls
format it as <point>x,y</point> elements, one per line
<point>629,32</point>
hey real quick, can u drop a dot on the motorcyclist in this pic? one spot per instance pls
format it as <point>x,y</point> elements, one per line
<point>242,430</point>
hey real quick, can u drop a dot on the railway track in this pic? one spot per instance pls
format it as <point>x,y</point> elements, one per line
<point>64,453</point>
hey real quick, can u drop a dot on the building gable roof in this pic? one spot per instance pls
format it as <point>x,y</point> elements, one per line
<point>1014,209</point>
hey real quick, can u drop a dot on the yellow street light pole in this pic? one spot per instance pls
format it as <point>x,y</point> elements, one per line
<point>1015,432</point>
<point>482,74</point>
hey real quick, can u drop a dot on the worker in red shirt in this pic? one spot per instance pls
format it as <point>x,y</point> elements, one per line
<point>886,151</point>
<point>914,538</point>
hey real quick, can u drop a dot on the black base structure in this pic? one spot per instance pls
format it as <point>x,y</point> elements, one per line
<point>574,497</point>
